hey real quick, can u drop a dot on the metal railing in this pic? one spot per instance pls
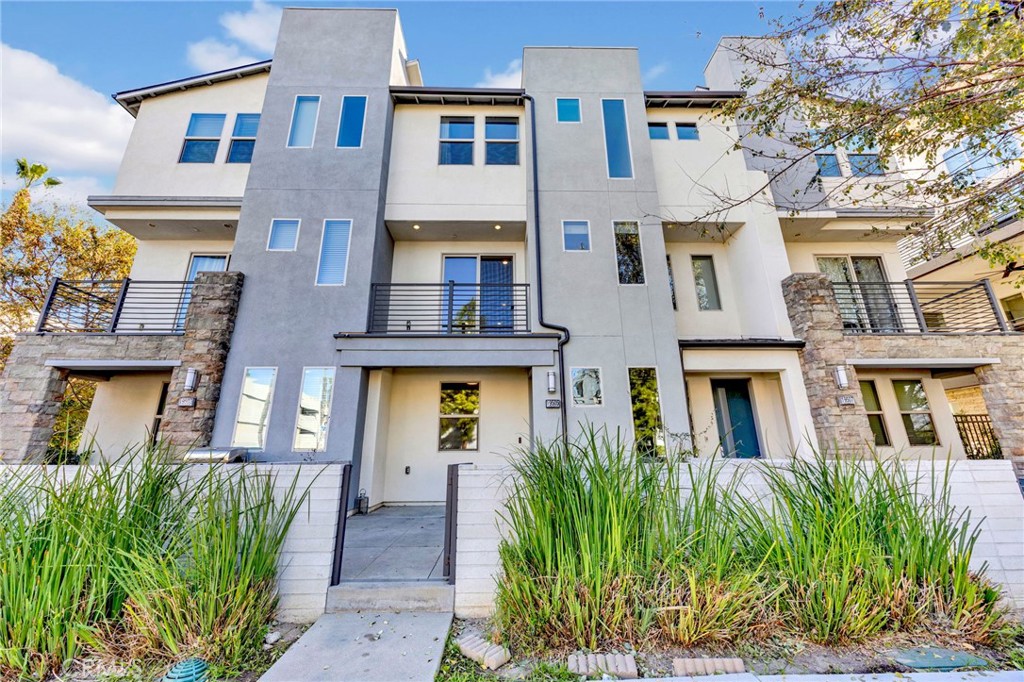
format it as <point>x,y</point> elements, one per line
<point>978,436</point>
<point>124,306</point>
<point>910,307</point>
<point>449,309</point>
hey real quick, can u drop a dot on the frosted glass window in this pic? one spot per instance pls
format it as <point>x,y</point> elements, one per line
<point>283,235</point>
<point>334,252</point>
<point>304,115</point>
<point>254,408</point>
<point>314,409</point>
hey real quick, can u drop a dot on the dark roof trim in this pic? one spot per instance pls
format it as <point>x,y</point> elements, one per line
<point>737,344</point>
<point>96,201</point>
<point>131,100</point>
<point>690,98</point>
<point>412,94</point>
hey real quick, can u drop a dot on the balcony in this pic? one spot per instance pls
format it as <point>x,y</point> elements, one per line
<point>449,309</point>
<point>115,307</point>
<point>910,307</point>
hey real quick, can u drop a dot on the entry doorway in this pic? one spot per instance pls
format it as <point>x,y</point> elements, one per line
<point>734,413</point>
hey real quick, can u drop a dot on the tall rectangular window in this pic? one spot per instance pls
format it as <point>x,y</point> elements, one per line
<point>202,138</point>
<point>459,416</point>
<point>568,110</point>
<point>254,408</point>
<point>705,283</point>
<point>647,425</point>
<point>671,280</point>
<point>457,134</point>
<point>314,409</point>
<point>873,406</point>
<point>629,258</point>
<point>350,125</point>
<point>657,131</point>
<point>334,246</point>
<point>917,416</point>
<point>284,234</point>
<point>304,117</point>
<point>575,235</point>
<point>501,136</point>
<point>687,131</point>
<point>243,138</point>
<point>616,138</point>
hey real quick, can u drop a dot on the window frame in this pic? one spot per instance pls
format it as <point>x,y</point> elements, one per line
<point>579,109</point>
<point>441,416</point>
<point>880,412</point>
<point>661,407</point>
<point>456,140</point>
<point>488,141</point>
<point>270,407</point>
<point>659,125</point>
<point>320,252</point>
<point>629,140</point>
<point>291,123</point>
<point>330,407</point>
<point>640,248</point>
<point>241,138</point>
<point>687,125</point>
<point>600,384</point>
<point>590,243</point>
<point>270,234</point>
<point>694,257</point>
<point>194,138</point>
<point>903,413</point>
<point>362,128</point>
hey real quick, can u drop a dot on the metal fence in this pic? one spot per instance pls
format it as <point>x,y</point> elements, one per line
<point>449,309</point>
<point>115,307</point>
<point>919,307</point>
<point>978,436</point>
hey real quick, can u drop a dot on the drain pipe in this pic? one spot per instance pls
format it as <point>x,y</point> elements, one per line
<point>562,330</point>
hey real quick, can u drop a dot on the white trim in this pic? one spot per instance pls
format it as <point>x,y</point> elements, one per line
<point>291,123</point>
<point>330,407</point>
<point>270,235</point>
<point>362,130</point>
<point>615,249</point>
<point>238,407</point>
<point>320,252</point>
<point>579,101</point>
<point>590,242</point>
<point>629,139</point>
<point>600,381</point>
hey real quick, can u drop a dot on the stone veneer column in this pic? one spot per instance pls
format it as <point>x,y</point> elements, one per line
<point>1002,386</point>
<point>30,397</point>
<point>208,327</point>
<point>814,313</point>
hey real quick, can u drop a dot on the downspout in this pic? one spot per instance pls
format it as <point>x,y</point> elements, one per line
<point>562,330</point>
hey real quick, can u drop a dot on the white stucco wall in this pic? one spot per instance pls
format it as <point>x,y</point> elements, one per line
<point>423,262</point>
<point>122,412</point>
<point>690,320</point>
<point>150,165</point>
<point>168,259</point>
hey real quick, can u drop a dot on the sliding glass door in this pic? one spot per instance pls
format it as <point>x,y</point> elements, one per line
<point>479,298</point>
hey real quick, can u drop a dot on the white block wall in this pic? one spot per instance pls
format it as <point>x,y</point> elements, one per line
<point>988,489</point>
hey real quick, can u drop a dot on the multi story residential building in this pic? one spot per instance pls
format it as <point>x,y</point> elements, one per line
<point>338,263</point>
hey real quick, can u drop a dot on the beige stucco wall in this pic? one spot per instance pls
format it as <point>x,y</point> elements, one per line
<point>421,189</point>
<point>802,255</point>
<point>150,165</point>
<point>423,262</point>
<point>122,412</point>
<point>690,320</point>
<point>168,259</point>
<point>769,413</point>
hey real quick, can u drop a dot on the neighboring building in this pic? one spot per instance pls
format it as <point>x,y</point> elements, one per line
<point>337,263</point>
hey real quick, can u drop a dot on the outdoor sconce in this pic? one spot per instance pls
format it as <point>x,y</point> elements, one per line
<point>191,379</point>
<point>842,379</point>
<point>551,383</point>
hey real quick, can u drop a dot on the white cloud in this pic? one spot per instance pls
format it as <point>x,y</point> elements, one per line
<point>51,118</point>
<point>511,77</point>
<point>251,36</point>
<point>72,190</point>
<point>654,72</point>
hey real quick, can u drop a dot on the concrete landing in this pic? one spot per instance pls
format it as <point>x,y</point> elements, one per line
<point>421,595</point>
<point>366,647</point>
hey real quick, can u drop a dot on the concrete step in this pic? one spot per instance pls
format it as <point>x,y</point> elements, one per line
<point>392,595</point>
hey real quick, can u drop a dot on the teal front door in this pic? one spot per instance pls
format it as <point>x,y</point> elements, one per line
<point>734,412</point>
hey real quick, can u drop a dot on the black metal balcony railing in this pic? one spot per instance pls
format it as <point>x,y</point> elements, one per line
<point>449,309</point>
<point>978,436</point>
<point>115,307</point>
<point>910,307</point>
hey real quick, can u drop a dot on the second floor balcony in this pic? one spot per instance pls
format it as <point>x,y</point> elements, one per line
<point>115,307</point>
<point>449,309</point>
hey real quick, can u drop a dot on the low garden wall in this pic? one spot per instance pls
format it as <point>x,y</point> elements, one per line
<point>988,489</point>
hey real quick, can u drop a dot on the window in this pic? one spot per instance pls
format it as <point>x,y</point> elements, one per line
<point>243,138</point>
<point>863,165</point>
<point>460,416</point>
<point>917,417</point>
<point>568,110</point>
<point>616,138</point>
<point>202,138</point>
<point>828,165</point>
<point>161,407</point>
<point>350,125</point>
<point>671,280</point>
<point>333,264</point>
<point>647,426</point>
<point>627,253</point>
<point>304,117</point>
<point>705,283</point>
<point>254,408</point>
<point>575,235</point>
<point>687,131</point>
<point>874,409</point>
<point>585,383</point>
<point>657,131</point>
<point>284,234</point>
<point>456,141</point>
<point>968,164</point>
<point>315,398</point>
<point>501,137</point>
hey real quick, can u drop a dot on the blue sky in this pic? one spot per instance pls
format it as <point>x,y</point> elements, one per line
<point>61,60</point>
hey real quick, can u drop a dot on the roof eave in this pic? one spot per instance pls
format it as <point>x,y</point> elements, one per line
<point>131,100</point>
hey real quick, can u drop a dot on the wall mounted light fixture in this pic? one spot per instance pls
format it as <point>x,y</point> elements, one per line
<point>842,378</point>
<point>191,379</point>
<point>552,384</point>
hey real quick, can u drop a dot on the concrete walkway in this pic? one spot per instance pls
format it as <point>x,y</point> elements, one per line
<point>366,647</point>
<point>973,676</point>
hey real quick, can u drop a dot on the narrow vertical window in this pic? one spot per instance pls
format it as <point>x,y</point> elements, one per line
<point>350,126</point>
<point>460,416</point>
<point>202,138</point>
<point>501,139</point>
<point>647,426</point>
<point>284,234</point>
<point>314,414</point>
<point>254,408</point>
<point>687,131</point>
<point>671,281</point>
<point>161,407</point>
<point>333,265</point>
<point>629,258</point>
<point>917,416</point>
<point>705,283</point>
<point>657,131</point>
<point>575,235</point>
<point>873,406</point>
<point>243,138</point>
<point>616,138</point>
<point>568,110</point>
<point>304,117</point>
<point>457,134</point>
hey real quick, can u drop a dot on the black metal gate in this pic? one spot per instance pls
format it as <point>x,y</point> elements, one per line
<point>978,436</point>
<point>451,522</point>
